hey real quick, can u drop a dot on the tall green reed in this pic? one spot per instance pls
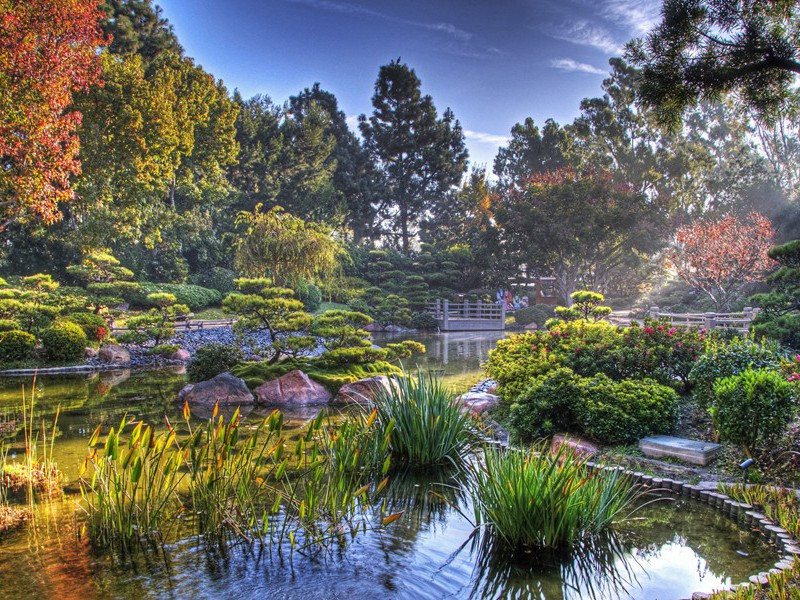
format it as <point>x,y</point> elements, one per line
<point>428,426</point>
<point>253,486</point>
<point>538,499</point>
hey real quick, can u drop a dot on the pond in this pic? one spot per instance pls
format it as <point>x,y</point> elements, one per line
<point>668,549</point>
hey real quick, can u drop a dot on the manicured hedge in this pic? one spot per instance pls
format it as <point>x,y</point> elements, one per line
<point>194,296</point>
<point>16,345</point>
<point>64,342</point>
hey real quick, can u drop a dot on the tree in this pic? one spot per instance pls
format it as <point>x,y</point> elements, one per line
<point>719,256</point>
<point>158,324</point>
<point>586,306</point>
<point>283,247</point>
<point>158,140</point>
<point>48,52</point>
<point>531,151</point>
<point>780,318</point>
<point>704,49</point>
<point>275,310</point>
<point>105,279</point>
<point>138,27</point>
<point>421,155</point>
<point>579,228</point>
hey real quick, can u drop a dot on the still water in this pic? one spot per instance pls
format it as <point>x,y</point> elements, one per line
<point>667,550</point>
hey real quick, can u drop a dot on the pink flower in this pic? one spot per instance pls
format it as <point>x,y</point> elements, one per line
<point>648,330</point>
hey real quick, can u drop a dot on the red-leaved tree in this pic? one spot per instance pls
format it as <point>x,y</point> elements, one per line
<point>48,51</point>
<point>719,256</point>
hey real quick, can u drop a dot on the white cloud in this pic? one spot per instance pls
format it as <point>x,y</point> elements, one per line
<point>584,33</point>
<point>485,138</point>
<point>573,66</point>
<point>638,16</point>
<point>356,9</point>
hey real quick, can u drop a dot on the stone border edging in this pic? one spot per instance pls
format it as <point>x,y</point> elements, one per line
<point>738,511</point>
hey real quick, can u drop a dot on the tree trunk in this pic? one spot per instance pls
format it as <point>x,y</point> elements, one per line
<point>404,226</point>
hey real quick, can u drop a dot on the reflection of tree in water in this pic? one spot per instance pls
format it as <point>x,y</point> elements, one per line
<point>600,567</point>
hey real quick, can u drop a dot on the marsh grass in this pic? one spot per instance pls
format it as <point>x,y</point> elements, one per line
<point>537,499</point>
<point>236,484</point>
<point>428,426</point>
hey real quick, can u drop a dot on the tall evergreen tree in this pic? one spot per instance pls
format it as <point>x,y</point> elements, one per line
<point>422,156</point>
<point>139,27</point>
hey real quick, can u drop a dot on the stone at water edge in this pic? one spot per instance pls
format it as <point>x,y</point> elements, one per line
<point>185,390</point>
<point>372,327</point>
<point>582,448</point>
<point>362,391</point>
<point>478,403</point>
<point>692,451</point>
<point>90,353</point>
<point>114,354</point>
<point>224,388</point>
<point>181,355</point>
<point>293,388</point>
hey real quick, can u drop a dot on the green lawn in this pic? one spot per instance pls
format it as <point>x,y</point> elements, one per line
<point>330,306</point>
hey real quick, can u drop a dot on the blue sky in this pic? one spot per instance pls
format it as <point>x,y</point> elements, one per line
<point>493,62</point>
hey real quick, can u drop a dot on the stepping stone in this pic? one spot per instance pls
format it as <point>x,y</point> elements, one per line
<point>692,451</point>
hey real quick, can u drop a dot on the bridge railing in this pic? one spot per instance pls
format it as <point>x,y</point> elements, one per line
<point>463,315</point>
<point>183,325</point>
<point>740,321</point>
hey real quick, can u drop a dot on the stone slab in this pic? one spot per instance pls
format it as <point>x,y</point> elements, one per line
<point>692,451</point>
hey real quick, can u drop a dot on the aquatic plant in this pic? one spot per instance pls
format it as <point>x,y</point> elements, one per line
<point>130,495</point>
<point>534,498</point>
<point>244,485</point>
<point>429,426</point>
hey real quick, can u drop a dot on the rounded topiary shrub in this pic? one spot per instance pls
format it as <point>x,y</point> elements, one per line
<point>754,408</point>
<point>16,345</point>
<point>310,295</point>
<point>622,412</point>
<point>213,359</point>
<point>8,325</point>
<point>94,326</point>
<point>64,342</point>
<point>423,321</point>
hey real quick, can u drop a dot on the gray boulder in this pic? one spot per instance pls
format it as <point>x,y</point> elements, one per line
<point>114,354</point>
<point>294,388</point>
<point>224,389</point>
<point>363,391</point>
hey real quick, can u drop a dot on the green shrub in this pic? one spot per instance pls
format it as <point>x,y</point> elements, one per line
<point>546,406</point>
<point>16,345</point>
<point>193,296</point>
<point>216,278</point>
<point>586,307</point>
<point>310,295</point>
<point>727,358</point>
<point>424,321</point>
<point>64,342</point>
<point>517,361</point>
<point>538,313</point>
<point>358,305</point>
<point>8,325</point>
<point>625,411</point>
<point>164,350</point>
<point>609,411</point>
<point>753,408</point>
<point>94,326</point>
<point>211,360</point>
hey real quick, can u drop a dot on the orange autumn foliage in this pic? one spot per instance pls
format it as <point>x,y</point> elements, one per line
<point>48,51</point>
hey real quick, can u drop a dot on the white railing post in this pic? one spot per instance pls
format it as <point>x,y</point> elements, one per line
<point>445,314</point>
<point>653,312</point>
<point>710,320</point>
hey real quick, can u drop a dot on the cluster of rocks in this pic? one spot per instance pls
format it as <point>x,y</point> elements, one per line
<point>480,398</point>
<point>378,328</point>
<point>295,388</point>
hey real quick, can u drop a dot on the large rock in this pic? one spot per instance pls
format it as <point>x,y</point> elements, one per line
<point>294,388</point>
<point>224,388</point>
<point>363,391</point>
<point>90,353</point>
<point>114,354</point>
<point>181,354</point>
<point>373,327</point>
<point>582,448</point>
<point>478,403</point>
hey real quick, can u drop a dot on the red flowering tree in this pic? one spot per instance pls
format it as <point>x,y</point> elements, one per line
<point>719,256</point>
<point>48,51</point>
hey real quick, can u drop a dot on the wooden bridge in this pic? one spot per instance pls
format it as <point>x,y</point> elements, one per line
<point>468,316</point>
<point>740,321</point>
